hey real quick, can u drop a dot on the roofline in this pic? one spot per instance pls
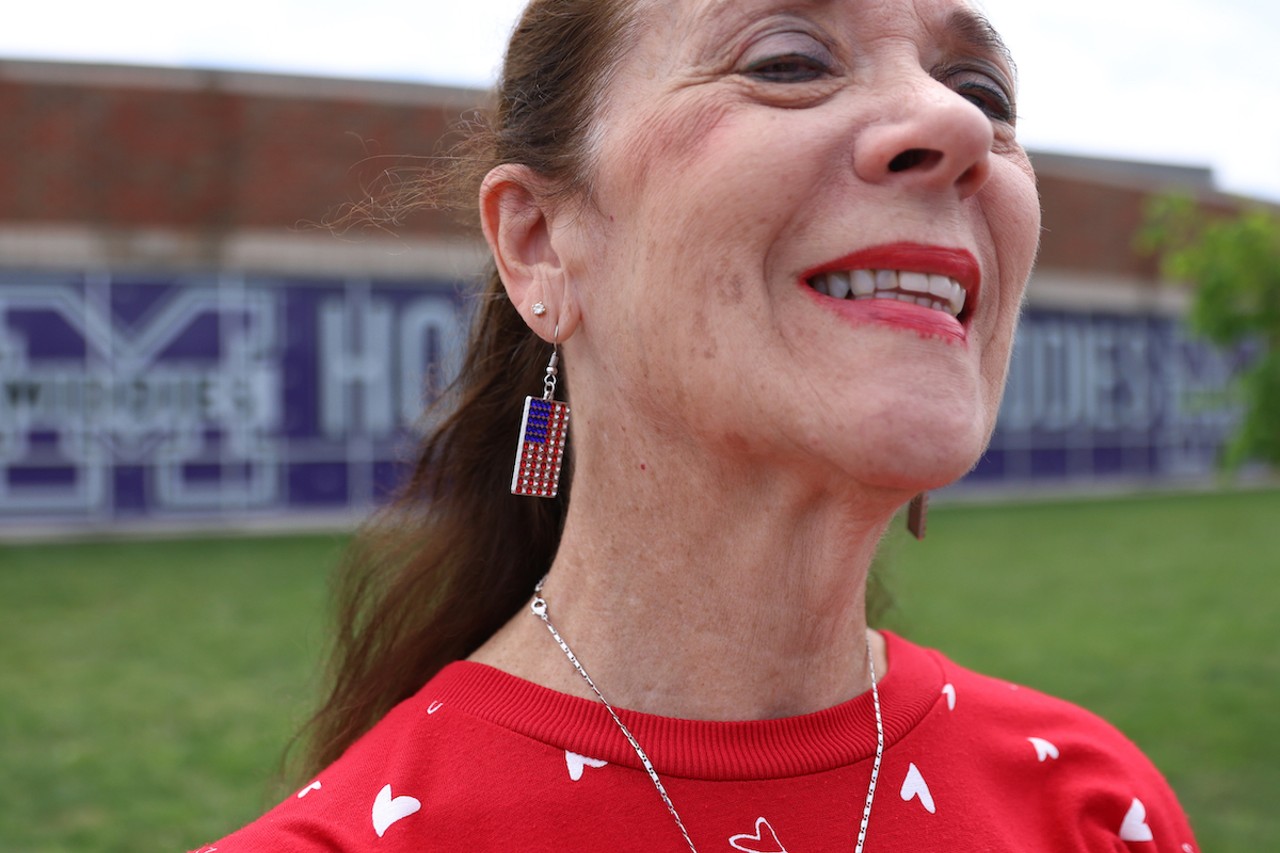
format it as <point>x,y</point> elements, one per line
<point>112,75</point>
<point>1134,175</point>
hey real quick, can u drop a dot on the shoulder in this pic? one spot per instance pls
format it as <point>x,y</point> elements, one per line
<point>352,804</point>
<point>994,708</point>
<point>1026,756</point>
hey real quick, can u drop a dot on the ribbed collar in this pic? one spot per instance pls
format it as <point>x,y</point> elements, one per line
<point>697,749</point>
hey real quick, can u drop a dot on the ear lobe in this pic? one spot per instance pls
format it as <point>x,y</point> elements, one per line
<point>517,227</point>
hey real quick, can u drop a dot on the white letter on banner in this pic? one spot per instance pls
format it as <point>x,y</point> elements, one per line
<point>355,355</point>
<point>430,336</point>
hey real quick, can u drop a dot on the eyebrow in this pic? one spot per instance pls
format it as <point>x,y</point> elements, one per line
<point>976,32</point>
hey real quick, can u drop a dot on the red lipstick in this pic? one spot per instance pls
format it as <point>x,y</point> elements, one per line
<point>958,264</point>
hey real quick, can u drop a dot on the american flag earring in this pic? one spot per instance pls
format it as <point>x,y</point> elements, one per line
<point>540,451</point>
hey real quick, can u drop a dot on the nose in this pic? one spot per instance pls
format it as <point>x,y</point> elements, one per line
<point>930,138</point>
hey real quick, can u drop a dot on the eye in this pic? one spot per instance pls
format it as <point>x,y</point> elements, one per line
<point>986,90</point>
<point>791,57</point>
<point>787,69</point>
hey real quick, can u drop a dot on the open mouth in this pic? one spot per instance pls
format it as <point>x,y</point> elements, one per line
<point>938,292</point>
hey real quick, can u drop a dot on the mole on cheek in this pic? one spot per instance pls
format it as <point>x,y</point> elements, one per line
<point>731,292</point>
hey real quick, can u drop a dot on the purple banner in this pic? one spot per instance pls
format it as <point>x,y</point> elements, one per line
<point>1097,396</point>
<point>132,397</point>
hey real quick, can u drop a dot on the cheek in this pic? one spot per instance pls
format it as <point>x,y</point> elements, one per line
<point>700,162</point>
<point>665,143</point>
<point>1014,220</point>
<point>1012,212</point>
<point>686,228</point>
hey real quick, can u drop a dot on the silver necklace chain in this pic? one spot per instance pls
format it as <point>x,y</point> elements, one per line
<point>539,608</point>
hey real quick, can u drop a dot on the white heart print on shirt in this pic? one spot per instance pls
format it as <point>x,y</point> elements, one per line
<point>1134,827</point>
<point>576,763</point>
<point>388,810</point>
<point>1044,749</point>
<point>765,840</point>
<point>915,786</point>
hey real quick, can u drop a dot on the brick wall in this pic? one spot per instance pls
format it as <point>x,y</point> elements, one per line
<point>192,157</point>
<point>1090,227</point>
<point>208,154</point>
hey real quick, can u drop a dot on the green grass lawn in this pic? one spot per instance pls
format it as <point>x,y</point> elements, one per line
<point>148,689</point>
<point>1158,613</point>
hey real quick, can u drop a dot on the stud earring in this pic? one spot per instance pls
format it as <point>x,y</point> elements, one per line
<point>543,427</point>
<point>916,514</point>
<point>539,309</point>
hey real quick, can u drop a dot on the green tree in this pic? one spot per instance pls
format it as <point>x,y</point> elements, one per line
<point>1234,264</point>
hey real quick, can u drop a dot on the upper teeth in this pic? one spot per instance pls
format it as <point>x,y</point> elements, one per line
<point>932,291</point>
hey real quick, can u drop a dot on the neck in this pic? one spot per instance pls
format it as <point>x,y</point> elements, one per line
<point>708,591</point>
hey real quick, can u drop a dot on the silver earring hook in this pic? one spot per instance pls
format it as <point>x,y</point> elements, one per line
<point>549,384</point>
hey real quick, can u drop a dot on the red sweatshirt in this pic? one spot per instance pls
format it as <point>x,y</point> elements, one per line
<point>479,760</point>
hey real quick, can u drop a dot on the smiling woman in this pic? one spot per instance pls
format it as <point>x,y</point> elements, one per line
<point>780,247</point>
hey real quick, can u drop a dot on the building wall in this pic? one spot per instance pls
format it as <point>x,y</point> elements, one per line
<point>147,168</point>
<point>179,338</point>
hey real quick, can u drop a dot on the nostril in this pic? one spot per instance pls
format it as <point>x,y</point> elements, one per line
<point>914,158</point>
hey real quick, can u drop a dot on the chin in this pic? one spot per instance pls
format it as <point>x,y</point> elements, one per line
<point>910,474</point>
<point>916,458</point>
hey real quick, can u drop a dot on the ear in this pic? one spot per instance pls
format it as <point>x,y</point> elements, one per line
<point>518,226</point>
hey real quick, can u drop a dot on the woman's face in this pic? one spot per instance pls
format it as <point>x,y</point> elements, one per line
<point>789,201</point>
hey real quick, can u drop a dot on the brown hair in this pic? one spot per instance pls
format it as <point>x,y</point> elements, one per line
<point>454,555</point>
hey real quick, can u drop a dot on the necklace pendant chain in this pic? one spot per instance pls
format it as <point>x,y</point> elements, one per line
<point>539,609</point>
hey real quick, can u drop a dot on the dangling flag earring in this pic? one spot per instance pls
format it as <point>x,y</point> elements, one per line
<point>916,513</point>
<point>540,452</point>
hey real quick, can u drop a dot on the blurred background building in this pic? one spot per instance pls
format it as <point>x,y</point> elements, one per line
<point>181,340</point>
